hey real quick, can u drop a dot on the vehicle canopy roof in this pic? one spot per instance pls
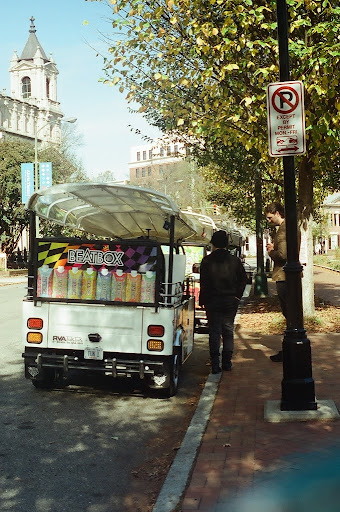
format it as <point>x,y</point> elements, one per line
<point>119,212</point>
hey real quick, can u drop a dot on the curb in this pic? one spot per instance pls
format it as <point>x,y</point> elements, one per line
<point>8,281</point>
<point>180,471</point>
<point>327,268</point>
<point>9,273</point>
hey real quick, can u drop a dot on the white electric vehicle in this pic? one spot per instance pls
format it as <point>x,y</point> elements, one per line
<point>116,301</point>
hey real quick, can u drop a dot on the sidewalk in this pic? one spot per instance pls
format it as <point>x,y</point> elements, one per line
<point>8,280</point>
<point>245,464</point>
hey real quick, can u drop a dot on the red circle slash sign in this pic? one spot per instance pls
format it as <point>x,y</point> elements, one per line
<point>285,99</point>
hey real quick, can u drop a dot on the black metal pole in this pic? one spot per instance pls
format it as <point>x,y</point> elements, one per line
<point>298,391</point>
<point>171,258</point>
<point>31,254</point>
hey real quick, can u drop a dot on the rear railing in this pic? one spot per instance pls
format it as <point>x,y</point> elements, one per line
<point>173,294</point>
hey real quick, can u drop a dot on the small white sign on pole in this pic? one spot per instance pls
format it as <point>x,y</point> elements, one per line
<point>286,119</point>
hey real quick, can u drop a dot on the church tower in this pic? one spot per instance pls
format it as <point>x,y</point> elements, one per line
<point>36,110</point>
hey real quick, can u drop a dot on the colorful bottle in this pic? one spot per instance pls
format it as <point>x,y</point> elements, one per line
<point>133,286</point>
<point>60,280</point>
<point>118,286</point>
<point>103,290</point>
<point>88,291</point>
<point>148,287</point>
<point>44,284</point>
<point>74,283</point>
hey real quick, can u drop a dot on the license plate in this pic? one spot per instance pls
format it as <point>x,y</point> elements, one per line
<point>93,353</point>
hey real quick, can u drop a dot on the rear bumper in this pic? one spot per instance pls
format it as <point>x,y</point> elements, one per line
<point>112,364</point>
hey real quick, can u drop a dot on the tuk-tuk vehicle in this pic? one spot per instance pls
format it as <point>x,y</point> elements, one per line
<point>116,302</point>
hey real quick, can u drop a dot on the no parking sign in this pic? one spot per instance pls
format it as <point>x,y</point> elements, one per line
<point>286,119</point>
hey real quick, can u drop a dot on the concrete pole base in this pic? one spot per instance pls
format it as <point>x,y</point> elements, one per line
<point>326,410</point>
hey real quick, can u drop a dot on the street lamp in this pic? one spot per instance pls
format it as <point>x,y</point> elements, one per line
<point>298,391</point>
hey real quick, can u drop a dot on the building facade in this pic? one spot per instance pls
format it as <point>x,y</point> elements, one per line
<point>31,110</point>
<point>151,164</point>
<point>331,210</point>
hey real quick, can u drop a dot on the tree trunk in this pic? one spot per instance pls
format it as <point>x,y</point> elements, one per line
<point>305,201</point>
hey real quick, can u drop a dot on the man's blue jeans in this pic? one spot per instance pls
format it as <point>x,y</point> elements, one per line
<point>221,323</point>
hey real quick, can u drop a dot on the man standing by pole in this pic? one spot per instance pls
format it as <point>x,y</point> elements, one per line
<point>277,251</point>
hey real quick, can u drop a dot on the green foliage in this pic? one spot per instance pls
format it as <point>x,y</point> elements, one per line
<point>14,218</point>
<point>65,166</point>
<point>331,260</point>
<point>230,173</point>
<point>199,69</point>
<point>105,177</point>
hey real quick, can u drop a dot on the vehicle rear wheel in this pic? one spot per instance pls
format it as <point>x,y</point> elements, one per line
<point>47,382</point>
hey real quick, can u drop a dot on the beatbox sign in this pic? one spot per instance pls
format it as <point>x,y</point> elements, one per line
<point>286,119</point>
<point>96,271</point>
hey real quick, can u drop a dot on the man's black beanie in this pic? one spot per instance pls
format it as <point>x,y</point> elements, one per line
<point>220,239</point>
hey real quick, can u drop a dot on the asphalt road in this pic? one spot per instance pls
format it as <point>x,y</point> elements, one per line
<point>327,285</point>
<point>100,446</point>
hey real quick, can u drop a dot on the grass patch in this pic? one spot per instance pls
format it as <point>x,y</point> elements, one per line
<point>331,260</point>
<point>263,316</point>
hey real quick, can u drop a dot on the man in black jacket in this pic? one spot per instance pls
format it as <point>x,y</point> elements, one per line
<point>222,283</point>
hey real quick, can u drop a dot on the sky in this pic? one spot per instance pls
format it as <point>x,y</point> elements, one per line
<point>102,112</point>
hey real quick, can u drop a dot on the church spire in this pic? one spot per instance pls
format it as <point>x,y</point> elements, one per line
<point>32,45</point>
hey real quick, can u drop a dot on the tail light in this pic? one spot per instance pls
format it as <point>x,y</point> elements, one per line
<point>156,330</point>
<point>34,337</point>
<point>155,345</point>
<point>35,323</point>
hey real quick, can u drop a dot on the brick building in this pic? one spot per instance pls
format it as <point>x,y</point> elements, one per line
<point>155,163</point>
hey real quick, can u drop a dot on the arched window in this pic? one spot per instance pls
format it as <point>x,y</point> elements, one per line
<point>47,87</point>
<point>26,87</point>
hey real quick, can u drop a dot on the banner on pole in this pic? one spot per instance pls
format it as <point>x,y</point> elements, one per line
<point>45,174</point>
<point>27,181</point>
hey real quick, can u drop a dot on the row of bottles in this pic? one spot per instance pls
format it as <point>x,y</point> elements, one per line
<point>90,284</point>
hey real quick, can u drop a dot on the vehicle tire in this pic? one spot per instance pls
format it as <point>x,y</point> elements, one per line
<point>47,382</point>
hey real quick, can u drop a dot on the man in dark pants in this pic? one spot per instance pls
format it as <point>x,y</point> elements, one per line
<point>278,253</point>
<point>222,283</point>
